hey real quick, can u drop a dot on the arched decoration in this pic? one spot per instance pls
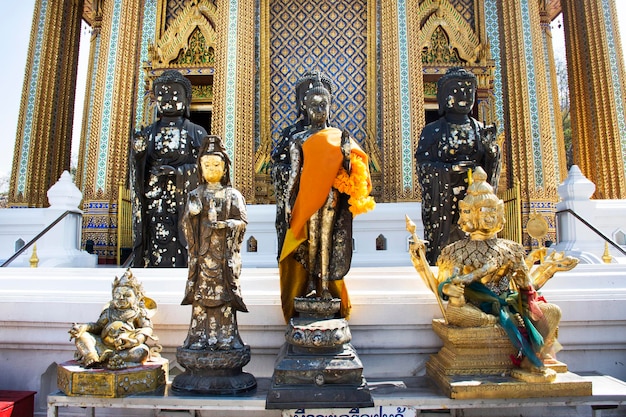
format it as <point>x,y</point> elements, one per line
<point>437,15</point>
<point>252,244</point>
<point>195,22</point>
<point>440,52</point>
<point>381,242</point>
<point>197,52</point>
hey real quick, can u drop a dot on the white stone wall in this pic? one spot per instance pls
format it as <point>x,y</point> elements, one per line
<point>390,323</point>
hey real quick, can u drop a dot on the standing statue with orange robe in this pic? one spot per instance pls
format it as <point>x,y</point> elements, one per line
<point>328,183</point>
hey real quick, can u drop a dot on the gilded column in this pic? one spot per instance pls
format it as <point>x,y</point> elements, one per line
<point>234,89</point>
<point>527,110</point>
<point>402,94</point>
<point>596,79</point>
<point>111,114</point>
<point>557,144</point>
<point>44,131</point>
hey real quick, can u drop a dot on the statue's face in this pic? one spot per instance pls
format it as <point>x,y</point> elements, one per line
<point>488,219</point>
<point>171,99</point>
<point>124,298</point>
<point>212,168</point>
<point>460,97</point>
<point>318,108</point>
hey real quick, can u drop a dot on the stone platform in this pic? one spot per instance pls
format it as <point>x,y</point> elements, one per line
<point>405,397</point>
<point>74,380</point>
<point>476,362</point>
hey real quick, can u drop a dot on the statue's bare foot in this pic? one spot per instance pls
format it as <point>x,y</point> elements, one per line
<point>117,362</point>
<point>326,295</point>
<point>105,355</point>
<point>311,294</point>
<point>91,360</point>
<point>531,373</point>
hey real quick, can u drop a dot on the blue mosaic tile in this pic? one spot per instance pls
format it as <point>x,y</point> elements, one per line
<point>405,99</point>
<point>615,76</point>
<point>231,80</point>
<point>328,37</point>
<point>493,34</point>
<point>147,37</point>
<point>32,92</point>
<point>533,105</point>
<point>101,164</point>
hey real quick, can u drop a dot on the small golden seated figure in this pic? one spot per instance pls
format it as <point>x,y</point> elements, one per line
<point>488,281</point>
<point>117,340</point>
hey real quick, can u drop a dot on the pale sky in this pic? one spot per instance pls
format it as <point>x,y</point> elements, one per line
<point>15,29</point>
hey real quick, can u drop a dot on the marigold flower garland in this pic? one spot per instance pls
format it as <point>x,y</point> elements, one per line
<point>355,185</point>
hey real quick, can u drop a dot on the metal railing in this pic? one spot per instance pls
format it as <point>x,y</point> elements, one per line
<point>33,240</point>
<point>513,213</point>
<point>593,229</point>
<point>124,222</point>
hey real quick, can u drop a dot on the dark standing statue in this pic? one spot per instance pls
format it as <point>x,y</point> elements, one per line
<point>280,157</point>
<point>326,184</point>
<point>447,149</point>
<point>163,170</point>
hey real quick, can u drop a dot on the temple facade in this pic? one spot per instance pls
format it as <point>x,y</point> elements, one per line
<point>385,56</point>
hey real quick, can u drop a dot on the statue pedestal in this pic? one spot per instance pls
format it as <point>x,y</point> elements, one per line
<point>475,362</point>
<point>74,380</point>
<point>217,372</point>
<point>317,367</point>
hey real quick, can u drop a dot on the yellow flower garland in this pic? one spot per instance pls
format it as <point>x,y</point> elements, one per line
<point>356,186</point>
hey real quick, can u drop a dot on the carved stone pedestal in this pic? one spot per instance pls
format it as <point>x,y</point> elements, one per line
<point>217,372</point>
<point>74,380</point>
<point>475,362</point>
<point>317,367</point>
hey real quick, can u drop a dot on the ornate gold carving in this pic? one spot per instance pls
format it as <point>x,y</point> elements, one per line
<point>202,93</point>
<point>440,51</point>
<point>595,125</point>
<point>195,17</point>
<point>437,14</point>
<point>197,52</point>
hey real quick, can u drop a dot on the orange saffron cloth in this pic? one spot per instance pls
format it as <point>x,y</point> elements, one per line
<point>322,170</point>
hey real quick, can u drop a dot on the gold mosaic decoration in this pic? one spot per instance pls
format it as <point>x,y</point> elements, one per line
<point>596,122</point>
<point>440,52</point>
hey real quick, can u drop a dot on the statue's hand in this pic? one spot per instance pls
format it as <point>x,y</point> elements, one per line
<point>288,213</point>
<point>220,224</point>
<point>453,290</point>
<point>461,166</point>
<point>195,205</point>
<point>77,330</point>
<point>163,170</point>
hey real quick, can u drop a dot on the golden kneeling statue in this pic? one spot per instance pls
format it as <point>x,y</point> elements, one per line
<point>488,281</point>
<point>118,339</point>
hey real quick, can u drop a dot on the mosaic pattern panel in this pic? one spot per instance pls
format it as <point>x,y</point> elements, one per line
<point>103,148</point>
<point>466,10</point>
<point>617,91</point>
<point>174,8</point>
<point>329,36</point>
<point>532,94</point>
<point>405,98</point>
<point>231,80</point>
<point>147,36</point>
<point>32,91</point>
<point>492,29</point>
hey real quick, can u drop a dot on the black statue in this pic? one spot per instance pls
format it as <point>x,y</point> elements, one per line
<point>163,170</point>
<point>280,157</point>
<point>448,148</point>
<point>326,184</point>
